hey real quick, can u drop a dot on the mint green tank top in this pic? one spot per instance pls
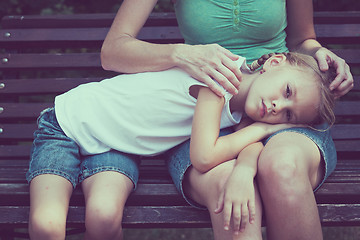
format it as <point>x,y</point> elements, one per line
<point>249,28</point>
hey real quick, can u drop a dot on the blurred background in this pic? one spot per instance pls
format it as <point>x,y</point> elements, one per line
<point>26,7</point>
<point>50,7</point>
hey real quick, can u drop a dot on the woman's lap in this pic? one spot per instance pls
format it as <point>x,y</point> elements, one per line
<point>179,159</point>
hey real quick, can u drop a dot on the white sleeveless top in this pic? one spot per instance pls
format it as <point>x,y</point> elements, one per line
<point>144,113</point>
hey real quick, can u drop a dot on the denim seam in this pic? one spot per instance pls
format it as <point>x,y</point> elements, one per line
<point>103,169</point>
<point>53,172</point>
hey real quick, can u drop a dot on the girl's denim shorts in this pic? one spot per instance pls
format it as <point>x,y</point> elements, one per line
<point>55,153</point>
<point>178,158</point>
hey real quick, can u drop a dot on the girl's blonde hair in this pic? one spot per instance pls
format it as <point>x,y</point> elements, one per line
<point>327,103</point>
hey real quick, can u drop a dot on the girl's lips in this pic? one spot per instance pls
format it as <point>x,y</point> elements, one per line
<point>262,109</point>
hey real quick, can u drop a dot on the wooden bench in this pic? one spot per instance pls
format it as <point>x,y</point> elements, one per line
<point>42,56</point>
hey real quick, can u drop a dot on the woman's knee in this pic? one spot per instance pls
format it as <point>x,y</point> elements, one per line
<point>285,167</point>
<point>278,164</point>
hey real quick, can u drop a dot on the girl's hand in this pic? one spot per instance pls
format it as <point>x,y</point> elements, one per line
<point>237,200</point>
<point>343,81</point>
<point>207,63</point>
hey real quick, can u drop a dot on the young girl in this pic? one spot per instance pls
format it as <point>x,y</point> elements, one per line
<point>283,91</point>
<point>96,132</point>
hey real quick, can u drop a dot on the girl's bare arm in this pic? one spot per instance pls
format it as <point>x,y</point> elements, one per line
<point>207,149</point>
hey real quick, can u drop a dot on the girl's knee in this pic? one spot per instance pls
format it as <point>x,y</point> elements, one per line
<point>104,219</point>
<point>216,178</point>
<point>47,225</point>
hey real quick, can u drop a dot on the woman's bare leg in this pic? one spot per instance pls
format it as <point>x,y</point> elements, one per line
<point>289,168</point>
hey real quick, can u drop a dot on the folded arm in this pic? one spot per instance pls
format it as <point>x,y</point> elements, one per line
<point>207,149</point>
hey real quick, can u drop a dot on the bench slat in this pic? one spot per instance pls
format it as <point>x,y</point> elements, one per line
<point>92,60</point>
<point>43,85</point>
<point>93,20</point>
<point>156,19</point>
<point>43,37</point>
<point>177,216</point>
<point>334,190</point>
<point>82,37</point>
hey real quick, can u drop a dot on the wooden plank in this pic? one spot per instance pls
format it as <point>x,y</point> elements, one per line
<point>336,17</point>
<point>92,60</point>
<point>349,55</point>
<point>347,146</point>
<point>338,31</point>
<point>79,37</point>
<point>339,214</point>
<point>177,216</point>
<point>339,184</point>
<point>164,19</point>
<point>52,61</point>
<point>164,192</point>
<point>22,110</point>
<point>344,131</point>
<point>43,85</point>
<point>84,36</point>
<point>93,20</point>
<point>349,108</point>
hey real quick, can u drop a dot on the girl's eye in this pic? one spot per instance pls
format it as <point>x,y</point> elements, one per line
<point>288,115</point>
<point>288,91</point>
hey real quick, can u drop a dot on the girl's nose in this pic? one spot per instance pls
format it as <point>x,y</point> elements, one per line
<point>277,106</point>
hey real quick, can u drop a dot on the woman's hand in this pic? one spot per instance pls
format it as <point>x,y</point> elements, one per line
<point>343,81</point>
<point>237,200</point>
<point>207,63</point>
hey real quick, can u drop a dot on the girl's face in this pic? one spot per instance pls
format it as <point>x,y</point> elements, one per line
<point>283,94</point>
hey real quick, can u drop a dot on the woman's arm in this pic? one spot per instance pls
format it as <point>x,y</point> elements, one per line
<point>302,38</point>
<point>123,52</point>
<point>207,149</point>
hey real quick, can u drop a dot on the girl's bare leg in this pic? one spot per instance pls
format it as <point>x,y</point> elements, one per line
<point>289,168</point>
<point>105,197</point>
<point>206,188</point>
<point>49,202</point>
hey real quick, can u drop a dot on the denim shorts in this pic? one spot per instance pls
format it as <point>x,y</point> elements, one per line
<point>178,158</point>
<point>55,153</point>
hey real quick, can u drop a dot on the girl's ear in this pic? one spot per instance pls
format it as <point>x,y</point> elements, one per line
<point>275,61</point>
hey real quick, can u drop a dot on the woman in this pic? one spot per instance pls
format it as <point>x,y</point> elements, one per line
<point>292,164</point>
